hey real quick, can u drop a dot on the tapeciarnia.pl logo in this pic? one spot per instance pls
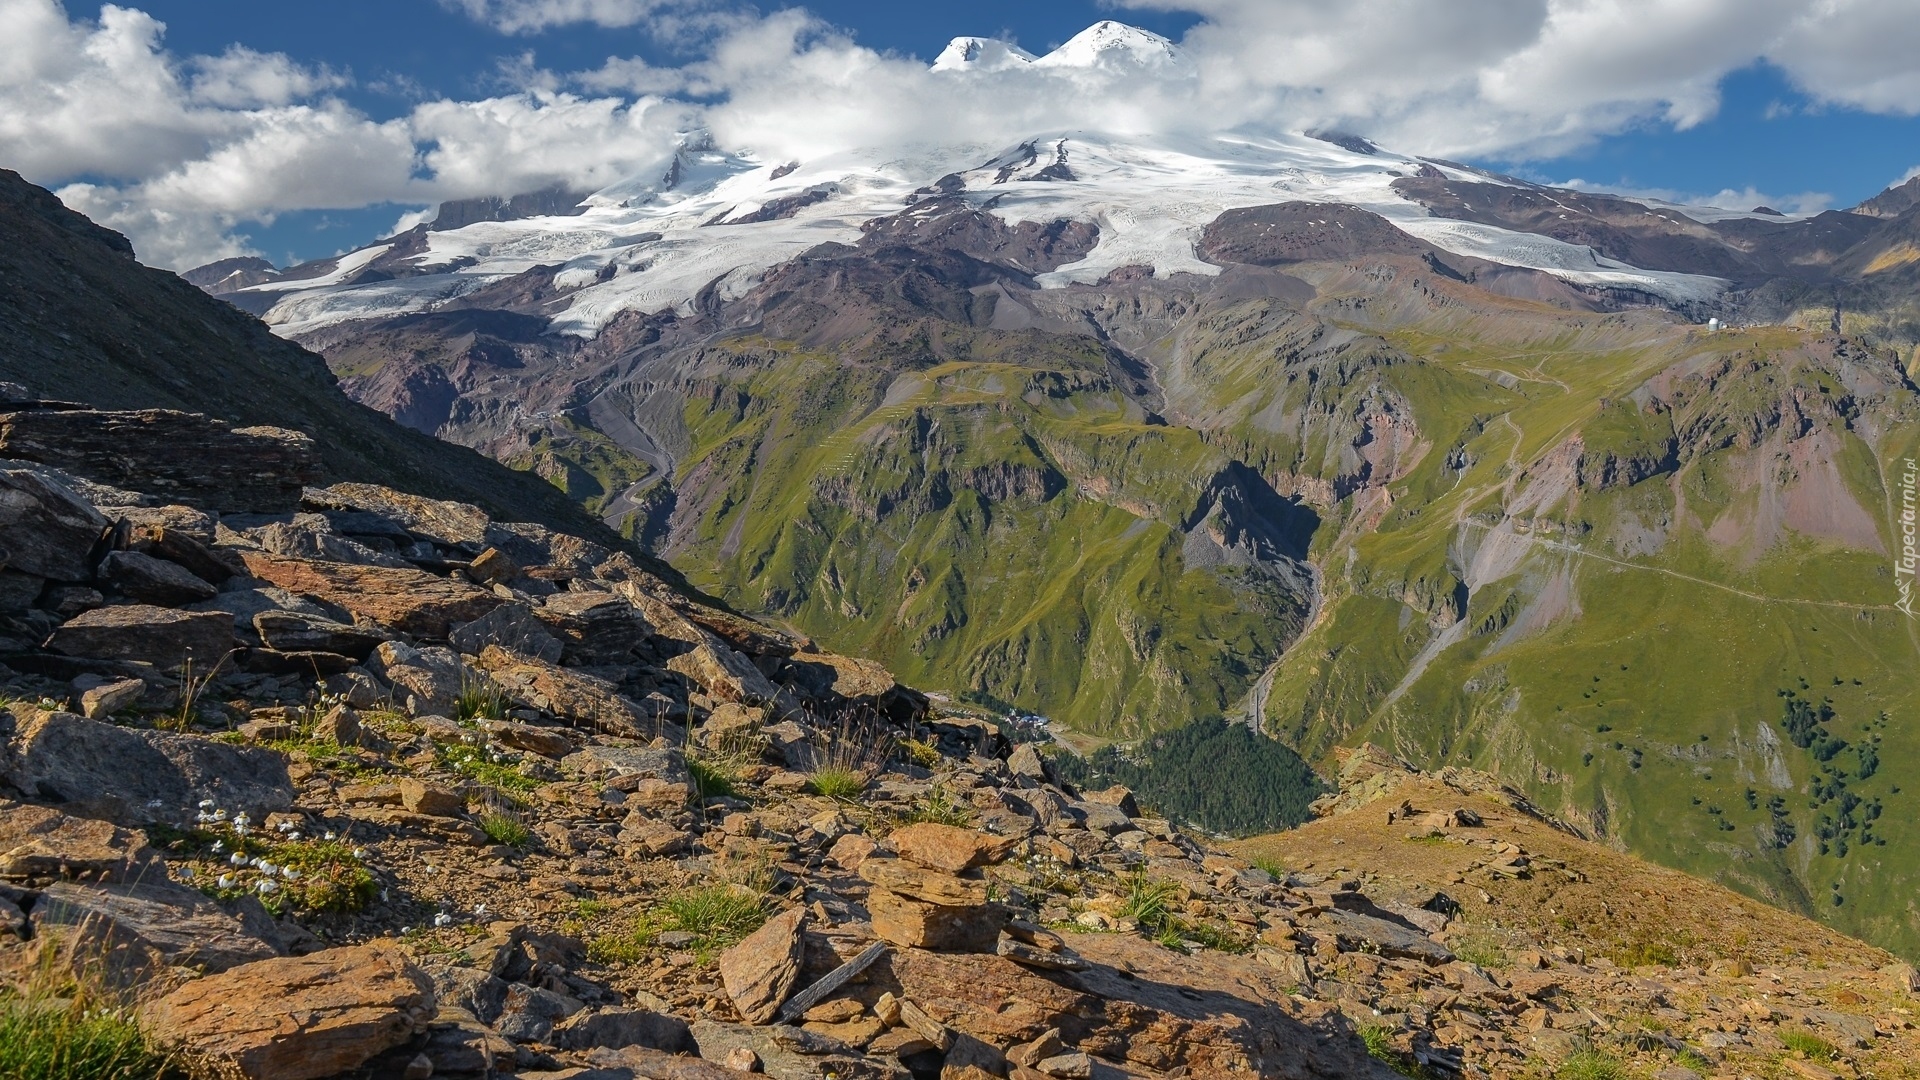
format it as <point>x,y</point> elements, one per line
<point>1903,566</point>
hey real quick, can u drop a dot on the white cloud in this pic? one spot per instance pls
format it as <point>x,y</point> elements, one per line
<point>177,151</point>
<point>1735,199</point>
<point>533,16</point>
<point>241,78</point>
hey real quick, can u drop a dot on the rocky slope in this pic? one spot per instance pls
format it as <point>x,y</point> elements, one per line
<point>374,786</point>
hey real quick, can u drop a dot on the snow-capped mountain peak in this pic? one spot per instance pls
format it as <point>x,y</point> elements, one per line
<point>981,54</point>
<point>1108,45</point>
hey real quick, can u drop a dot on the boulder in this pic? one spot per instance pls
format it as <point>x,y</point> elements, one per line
<point>310,536</point>
<point>529,1013</point>
<point>292,631</point>
<point>105,698</point>
<point>45,529</point>
<point>595,627</point>
<point>724,674</point>
<point>411,601</point>
<point>512,627</point>
<point>920,925</point>
<point>299,1018</point>
<point>181,927</point>
<point>732,727</point>
<point>920,883</point>
<point>340,726</point>
<point>581,700</point>
<point>1118,796</point>
<point>145,634</point>
<point>617,1028</point>
<point>142,577</point>
<point>949,847</point>
<point>430,799</point>
<point>40,844</point>
<point>146,523</point>
<point>425,681</point>
<point>19,590</point>
<point>1027,764</point>
<point>187,547</point>
<point>180,456</point>
<point>636,762</point>
<point>141,775</point>
<point>534,740</point>
<point>451,523</point>
<point>760,972</point>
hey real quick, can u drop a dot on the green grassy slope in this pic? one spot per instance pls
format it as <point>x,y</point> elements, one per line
<point>1657,537</point>
<point>1016,534</point>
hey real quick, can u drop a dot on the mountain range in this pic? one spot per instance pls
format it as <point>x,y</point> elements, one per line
<point>1598,493</point>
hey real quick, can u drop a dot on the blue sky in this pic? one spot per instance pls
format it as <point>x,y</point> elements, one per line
<point>1800,106</point>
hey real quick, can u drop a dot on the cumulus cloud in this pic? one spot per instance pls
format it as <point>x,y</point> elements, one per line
<point>664,18</point>
<point>179,151</point>
<point>1734,199</point>
<point>1538,77</point>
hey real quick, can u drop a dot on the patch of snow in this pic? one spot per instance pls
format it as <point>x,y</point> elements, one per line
<point>652,243</point>
<point>981,54</point>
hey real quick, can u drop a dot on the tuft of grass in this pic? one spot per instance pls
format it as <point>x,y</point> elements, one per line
<point>716,915</point>
<point>838,782</point>
<point>503,827</point>
<point>1590,1065</point>
<point>939,807</point>
<point>1378,1039</point>
<point>54,1026</point>
<point>711,779</point>
<point>479,699</point>
<point>921,752</point>
<point>1150,901</point>
<point>1274,868</point>
<point>1482,949</point>
<point>1813,1046</point>
<point>1644,954</point>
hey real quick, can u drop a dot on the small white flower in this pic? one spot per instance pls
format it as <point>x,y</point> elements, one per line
<point>225,882</point>
<point>206,804</point>
<point>219,815</point>
<point>479,910</point>
<point>359,853</point>
<point>329,835</point>
<point>293,836</point>
<point>237,859</point>
<point>290,873</point>
<point>219,846</point>
<point>443,919</point>
<point>268,888</point>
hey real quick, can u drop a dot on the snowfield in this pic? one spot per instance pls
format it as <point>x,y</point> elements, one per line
<point>655,243</point>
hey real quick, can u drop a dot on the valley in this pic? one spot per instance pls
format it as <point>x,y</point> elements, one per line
<point>1294,433</point>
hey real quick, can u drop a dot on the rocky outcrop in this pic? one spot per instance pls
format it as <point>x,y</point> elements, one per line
<point>178,457</point>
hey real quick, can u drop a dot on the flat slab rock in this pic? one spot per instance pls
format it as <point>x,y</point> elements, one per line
<point>182,457</point>
<point>299,1018</point>
<point>132,775</point>
<point>181,926</point>
<point>145,634</point>
<point>1386,938</point>
<point>412,601</point>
